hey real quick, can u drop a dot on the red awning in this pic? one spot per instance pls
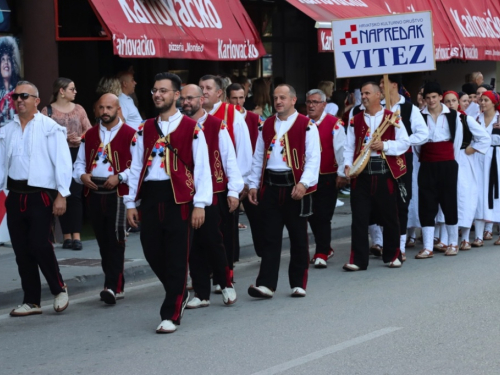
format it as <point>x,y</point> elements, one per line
<point>181,29</point>
<point>325,11</point>
<point>477,24</point>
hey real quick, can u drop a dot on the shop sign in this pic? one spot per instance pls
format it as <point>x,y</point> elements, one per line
<point>399,43</point>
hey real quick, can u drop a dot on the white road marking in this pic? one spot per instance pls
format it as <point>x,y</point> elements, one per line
<point>326,351</point>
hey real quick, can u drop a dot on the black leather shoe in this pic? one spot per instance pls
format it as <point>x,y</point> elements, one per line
<point>67,244</point>
<point>77,245</point>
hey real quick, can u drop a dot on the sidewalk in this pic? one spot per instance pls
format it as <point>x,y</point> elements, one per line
<point>82,270</point>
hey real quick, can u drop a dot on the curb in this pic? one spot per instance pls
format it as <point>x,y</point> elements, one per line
<point>135,272</point>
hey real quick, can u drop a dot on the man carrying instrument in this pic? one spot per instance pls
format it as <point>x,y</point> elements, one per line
<point>375,187</point>
<point>332,137</point>
<point>102,165</point>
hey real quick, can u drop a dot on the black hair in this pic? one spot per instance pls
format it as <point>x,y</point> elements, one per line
<point>469,88</point>
<point>432,87</point>
<point>174,78</point>
<point>396,78</point>
<point>233,87</point>
<point>217,80</point>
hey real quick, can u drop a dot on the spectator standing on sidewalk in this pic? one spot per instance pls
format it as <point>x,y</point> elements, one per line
<point>74,118</point>
<point>129,110</point>
<point>37,172</point>
<point>102,166</point>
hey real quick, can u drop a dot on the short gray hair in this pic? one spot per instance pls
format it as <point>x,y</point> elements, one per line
<point>317,91</point>
<point>20,83</point>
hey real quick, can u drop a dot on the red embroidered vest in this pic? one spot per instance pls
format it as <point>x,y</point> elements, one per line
<point>295,145</point>
<point>119,155</point>
<point>211,128</point>
<point>181,140</point>
<point>325,128</point>
<point>253,123</point>
<point>397,164</point>
<point>226,112</point>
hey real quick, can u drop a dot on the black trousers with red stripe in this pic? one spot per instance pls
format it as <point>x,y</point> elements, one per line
<point>377,192</point>
<point>277,210</point>
<point>166,238</point>
<point>102,209</point>
<point>29,219</point>
<point>208,251</point>
<point>324,201</point>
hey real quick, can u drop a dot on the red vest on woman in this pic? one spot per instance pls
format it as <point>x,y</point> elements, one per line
<point>211,129</point>
<point>253,123</point>
<point>325,128</point>
<point>397,164</point>
<point>119,152</point>
<point>295,146</point>
<point>226,112</point>
<point>181,140</point>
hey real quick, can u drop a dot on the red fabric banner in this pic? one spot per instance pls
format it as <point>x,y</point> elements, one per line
<point>181,29</point>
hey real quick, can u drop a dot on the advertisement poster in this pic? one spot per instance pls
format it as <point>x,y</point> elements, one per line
<point>10,70</point>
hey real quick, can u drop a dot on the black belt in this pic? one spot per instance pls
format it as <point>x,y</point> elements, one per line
<point>493,182</point>
<point>376,165</point>
<point>22,187</point>
<point>280,179</point>
<point>100,181</point>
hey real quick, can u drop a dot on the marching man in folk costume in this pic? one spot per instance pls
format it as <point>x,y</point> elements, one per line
<point>285,172</point>
<point>170,174</point>
<point>37,172</point>
<point>235,94</point>
<point>208,252</point>
<point>475,139</point>
<point>102,165</point>
<point>332,137</point>
<point>376,135</point>
<point>488,167</point>
<point>238,131</point>
<point>418,134</point>
<point>438,173</point>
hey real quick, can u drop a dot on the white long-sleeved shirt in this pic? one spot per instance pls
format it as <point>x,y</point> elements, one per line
<point>339,139</point>
<point>473,110</point>
<point>391,148</point>
<point>39,155</point>
<point>201,174</point>
<point>275,162</point>
<point>101,169</point>
<point>235,182</point>
<point>243,145</point>
<point>130,112</point>
<point>420,131</point>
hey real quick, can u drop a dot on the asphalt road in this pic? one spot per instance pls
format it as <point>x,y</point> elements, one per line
<point>435,316</point>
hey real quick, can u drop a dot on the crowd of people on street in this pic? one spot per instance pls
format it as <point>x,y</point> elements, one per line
<point>181,177</point>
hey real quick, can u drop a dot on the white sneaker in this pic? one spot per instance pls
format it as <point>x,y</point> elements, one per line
<point>320,263</point>
<point>120,295</point>
<point>108,296</point>
<point>396,264</point>
<point>166,326</point>
<point>61,301</point>
<point>218,289</point>
<point>229,296</point>
<point>26,309</point>
<point>196,303</point>
<point>339,203</point>
<point>298,292</point>
<point>260,292</point>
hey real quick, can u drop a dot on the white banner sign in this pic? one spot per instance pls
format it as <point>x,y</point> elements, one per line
<point>399,43</point>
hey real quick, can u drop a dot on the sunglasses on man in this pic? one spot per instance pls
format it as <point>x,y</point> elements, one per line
<point>23,96</point>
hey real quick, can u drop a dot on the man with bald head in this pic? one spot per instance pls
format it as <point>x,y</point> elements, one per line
<point>208,249</point>
<point>102,165</point>
<point>37,172</point>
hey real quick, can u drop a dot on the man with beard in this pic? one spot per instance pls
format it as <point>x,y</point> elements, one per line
<point>238,131</point>
<point>170,173</point>
<point>285,168</point>
<point>208,245</point>
<point>102,165</point>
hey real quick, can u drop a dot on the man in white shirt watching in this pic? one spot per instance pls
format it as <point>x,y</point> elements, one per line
<point>129,110</point>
